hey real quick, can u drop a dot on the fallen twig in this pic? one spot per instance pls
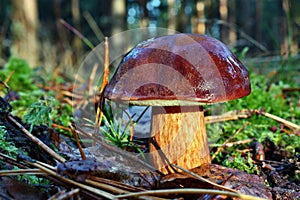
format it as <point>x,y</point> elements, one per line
<point>72,182</point>
<point>167,192</point>
<point>279,119</point>
<point>76,32</point>
<point>20,172</point>
<point>75,134</point>
<point>12,161</point>
<point>230,144</point>
<point>228,140</point>
<point>36,140</point>
<point>205,180</point>
<point>231,115</point>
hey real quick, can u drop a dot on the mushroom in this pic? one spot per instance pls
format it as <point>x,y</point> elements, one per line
<point>176,75</point>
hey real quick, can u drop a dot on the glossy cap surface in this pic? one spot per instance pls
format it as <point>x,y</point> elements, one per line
<point>179,69</point>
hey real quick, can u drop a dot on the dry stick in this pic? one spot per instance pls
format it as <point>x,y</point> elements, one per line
<point>94,181</point>
<point>205,180</point>
<point>5,83</point>
<point>92,23</point>
<point>76,32</point>
<point>75,134</point>
<point>104,83</point>
<point>105,187</point>
<point>71,94</point>
<point>61,127</point>
<point>166,192</point>
<point>115,190</point>
<point>9,77</point>
<point>278,119</point>
<point>12,161</point>
<point>230,144</point>
<point>69,181</point>
<point>19,164</point>
<point>46,165</point>
<point>36,140</point>
<point>228,140</point>
<point>114,183</point>
<point>231,115</point>
<point>21,172</point>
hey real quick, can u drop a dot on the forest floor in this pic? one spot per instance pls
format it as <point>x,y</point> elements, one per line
<point>47,153</point>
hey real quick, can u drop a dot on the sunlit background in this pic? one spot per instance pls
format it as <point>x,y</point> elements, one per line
<point>61,32</point>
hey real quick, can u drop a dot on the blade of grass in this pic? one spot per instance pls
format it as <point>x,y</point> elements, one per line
<point>76,32</point>
<point>90,20</point>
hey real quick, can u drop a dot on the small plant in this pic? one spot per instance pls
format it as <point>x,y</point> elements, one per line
<point>22,104</point>
<point>118,135</point>
<point>41,112</point>
<point>241,163</point>
<point>48,111</point>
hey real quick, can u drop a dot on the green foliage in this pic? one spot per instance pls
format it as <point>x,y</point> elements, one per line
<point>32,179</point>
<point>263,96</point>
<point>11,150</point>
<point>21,105</point>
<point>240,54</point>
<point>41,112</point>
<point>21,81</point>
<point>21,75</point>
<point>241,163</point>
<point>33,104</point>
<point>118,135</point>
<point>8,147</point>
<point>46,111</point>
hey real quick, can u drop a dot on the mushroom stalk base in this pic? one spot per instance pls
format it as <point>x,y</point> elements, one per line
<point>180,133</point>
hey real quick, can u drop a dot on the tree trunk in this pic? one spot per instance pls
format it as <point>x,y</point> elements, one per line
<point>199,20</point>
<point>118,16</point>
<point>24,30</point>
<point>223,10</point>
<point>172,15</point>
<point>232,21</point>
<point>77,43</point>
<point>181,18</point>
<point>258,24</point>
<point>289,42</point>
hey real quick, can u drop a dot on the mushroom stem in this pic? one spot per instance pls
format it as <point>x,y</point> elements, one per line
<point>180,133</point>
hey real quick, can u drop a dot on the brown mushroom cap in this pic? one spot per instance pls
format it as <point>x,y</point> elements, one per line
<point>179,69</point>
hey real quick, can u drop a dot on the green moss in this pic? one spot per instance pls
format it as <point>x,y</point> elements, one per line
<point>21,75</point>
<point>7,147</point>
<point>263,96</point>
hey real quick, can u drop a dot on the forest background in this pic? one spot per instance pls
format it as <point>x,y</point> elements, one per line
<point>264,32</point>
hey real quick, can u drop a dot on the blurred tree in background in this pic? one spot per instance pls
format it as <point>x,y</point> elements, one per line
<point>33,29</point>
<point>24,19</point>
